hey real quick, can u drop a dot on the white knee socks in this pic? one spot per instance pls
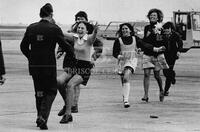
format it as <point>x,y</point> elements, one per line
<point>125,91</point>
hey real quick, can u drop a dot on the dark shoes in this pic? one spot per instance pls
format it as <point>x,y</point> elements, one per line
<point>37,122</point>
<point>2,80</point>
<point>44,127</point>
<point>173,81</point>
<point>66,118</point>
<point>126,104</point>
<point>62,111</point>
<point>145,99</point>
<point>41,123</point>
<point>74,109</point>
<point>161,97</point>
<point>166,93</point>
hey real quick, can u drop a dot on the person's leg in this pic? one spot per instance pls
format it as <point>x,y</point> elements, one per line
<point>76,99</point>
<point>61,82</point>
<point>38,96</point>
<point>122,79</point>
<point>74,81</point>
<point>159,81</point>
<point>146,82</point>
<point>126,87</point>
<point>173,74</point>
<point>170,76</point>
<point>166,73</point>
<point>173,77</point>
<point>49,84</point>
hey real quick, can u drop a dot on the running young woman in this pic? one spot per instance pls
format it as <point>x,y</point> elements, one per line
<point>80,70</point>
<point>125,50</point>
<point>153,58</point>
<point>98,49</point>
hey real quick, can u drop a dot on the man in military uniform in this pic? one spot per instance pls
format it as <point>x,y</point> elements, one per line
<point>38,45</point>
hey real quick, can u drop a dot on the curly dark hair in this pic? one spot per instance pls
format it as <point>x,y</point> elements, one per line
<point>81,14</point>
<point>168,25</point>
<point>119,32</point>
<point>159,13</point>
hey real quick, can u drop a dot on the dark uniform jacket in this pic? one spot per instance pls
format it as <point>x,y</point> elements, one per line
<point>39,44</point>
<point>2,67</point>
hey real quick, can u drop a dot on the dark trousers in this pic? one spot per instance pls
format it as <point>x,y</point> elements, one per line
<point>45,93</point>
<point>2,66</point>
<point>169,73</point>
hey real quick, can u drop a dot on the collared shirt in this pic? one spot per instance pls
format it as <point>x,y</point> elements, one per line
<point>83,47</point>
<point>81,40</point>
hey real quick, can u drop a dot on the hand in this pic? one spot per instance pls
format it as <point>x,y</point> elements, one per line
<point>148,33</point>
<point>178,55</point>
<point>154,31</point>
<point>120,57</point>
<point>94,57</point>
<point>159,49</point>
<point>92,62</point>
<point>59,54</point>
<point>96,27</point>
<point>138,51</point>
<point>163,48</point>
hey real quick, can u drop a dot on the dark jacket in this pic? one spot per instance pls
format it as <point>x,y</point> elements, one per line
<point>39,44</point>
<point>152,40</point>
<point>2,67</point>
<point>174,44</point>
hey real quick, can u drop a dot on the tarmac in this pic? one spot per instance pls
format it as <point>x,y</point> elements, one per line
<point>100,104</point>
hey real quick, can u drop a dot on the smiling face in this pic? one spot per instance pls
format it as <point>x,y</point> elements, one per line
<point>126,31</point>
<point>153,17</point>
<point>81,29</point>
<point>167,31</point>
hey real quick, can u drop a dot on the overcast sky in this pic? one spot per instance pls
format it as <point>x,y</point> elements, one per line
<point>103,11</point>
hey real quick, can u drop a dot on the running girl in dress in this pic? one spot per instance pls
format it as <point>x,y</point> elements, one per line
<point>125,50</point>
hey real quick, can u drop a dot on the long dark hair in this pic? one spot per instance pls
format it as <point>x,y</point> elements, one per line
<point>119,32</point>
